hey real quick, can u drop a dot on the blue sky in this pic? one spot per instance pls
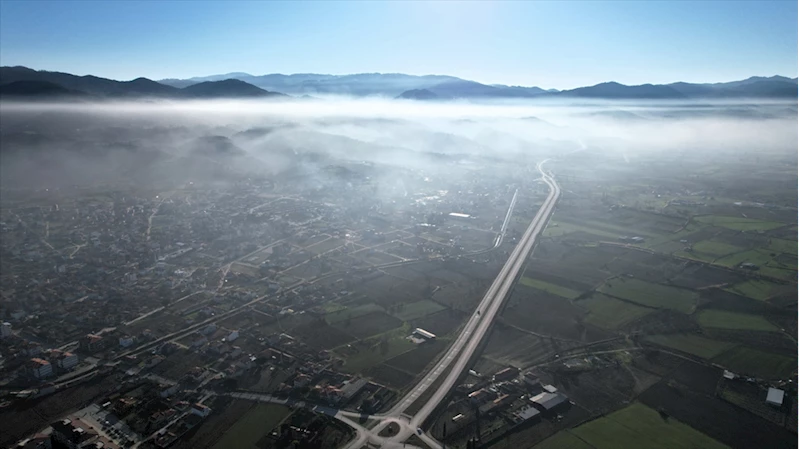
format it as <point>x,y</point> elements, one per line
<point>559,44</point>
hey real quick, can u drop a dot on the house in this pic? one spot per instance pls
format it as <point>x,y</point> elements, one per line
<point>67,360</point>
<point>531,379</point>
<point>548,401</point>
<point>38,441</point>
<point>5,330</point>
<point>301,381</point>
<point>526,414</point>
<point>40,368</point>
<point>480,396</point>
<point>126,341</point>
<point>166,391</point>
<point>506,374</point>
<point>200,410</point>
<point>233,336</point>
<point>91,343</point>
<point>775,397</point>
<point>72,433</point>
<point>352,387</point>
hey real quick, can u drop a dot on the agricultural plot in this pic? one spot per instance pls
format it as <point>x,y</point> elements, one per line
<point>692,344</point>
<point>248,430</point>
<point>754,362</point>
<point>732,320</point>
<point>755,256</point>
<point>739,223</point>
<point>610,313</point>
<point>413,310</point>
<point>350,313</point>
<point>650,294</point>
<point>631,426</point>
<point>415,360</point>
<point>550,287</point>
<point>759,289</point>
<point>369,324</point>
<point>783,246</point>
<point>375,351</point>
<point>563,440</point>
<point>716,248</point>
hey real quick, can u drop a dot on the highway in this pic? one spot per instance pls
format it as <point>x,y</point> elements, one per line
<point>463,349</point>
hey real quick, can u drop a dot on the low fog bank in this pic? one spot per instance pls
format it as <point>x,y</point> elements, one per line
<point>56,145</point>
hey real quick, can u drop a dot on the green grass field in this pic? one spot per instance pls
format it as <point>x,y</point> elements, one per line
<point>732,320</point>
<point>372,354</point>
<point>341,315</point>
<point>652,295</point>
<point>716,248</point>
<point>754,288</point>
<point>610,313</point>
<point>418,309</point>
<point>563,440</point>
<point>739,223</point>
<point>783,246</point>
<point>248,430</point>
<point>754,362</point>
<point>755,256</point>
<point>692,344</point>
<point>636,426</point>
<point>550,288</point>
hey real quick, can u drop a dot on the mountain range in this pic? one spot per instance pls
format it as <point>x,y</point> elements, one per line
<point>28,84</point>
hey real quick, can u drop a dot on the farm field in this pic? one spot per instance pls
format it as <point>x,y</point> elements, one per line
<point>371,353</point>
<point>739,223</point>
<point>732,320</point>
<point>650,294</point>
<point>610,313</point>
<point>756,289</point>
<point>631,426</point>
<point>716,248</point>
<point>248,430</point>
<point>750,361</point>
<point>418,309</point>
<point>563,440</point>
<point>550,287</point>
<point>692,344</point>
<point>350,313</point>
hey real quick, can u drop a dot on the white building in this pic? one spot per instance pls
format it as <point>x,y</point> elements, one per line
<point>775,397</point>
<point>200,410</point>
<point>126,341</point>
<point>233,336</point>
<point>40,368</point>
<point>67,361</point>
<point>5,330</point>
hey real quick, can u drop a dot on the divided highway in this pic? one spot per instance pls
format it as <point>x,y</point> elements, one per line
<point>464,347</point>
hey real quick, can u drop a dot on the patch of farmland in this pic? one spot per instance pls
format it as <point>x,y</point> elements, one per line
<point>550,287</point>
<point>415,360</point>
<point>739,223</point>
<point>507,345</point>
<point>691,344</point>
<point>610,313</point>
<point>783,246</point>
<point>389,376</point>
<point>650,294</point>
<point>413,310</point>
<point>717,418</point>
<point>369,324</point>
<point>441,323</point>
<point>715,248</point>
<point>319,334</point>
<point>563,440</point>
<point>754,362</point>
<point>732,320</point>
<point>632,425</point>
<point>548,314</point>
<point>694,275</point>
<point>325,246</point>
<point>351,313</point>
<point>256,423</point>
<point>374,351</point>
<point>755,256</point>
<point>760,289</point>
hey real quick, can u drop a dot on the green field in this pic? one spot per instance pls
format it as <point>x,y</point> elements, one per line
<point>550,288</point>
<point>716,248</point>
<point>732,320</point>
<point>692,344</point>
<point>248,430</point>
<point>755,289</point>
<point>373,354</point>
<point>635,426</point>
<point>563,440</point>
<point>739,223</point>
<point>418,309</point>
<point>754,362</point>
<point>610,313</point>
<point>755,256</point>
<point>341,315</point>
<point>783,246</point>
<point>652,295</point>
